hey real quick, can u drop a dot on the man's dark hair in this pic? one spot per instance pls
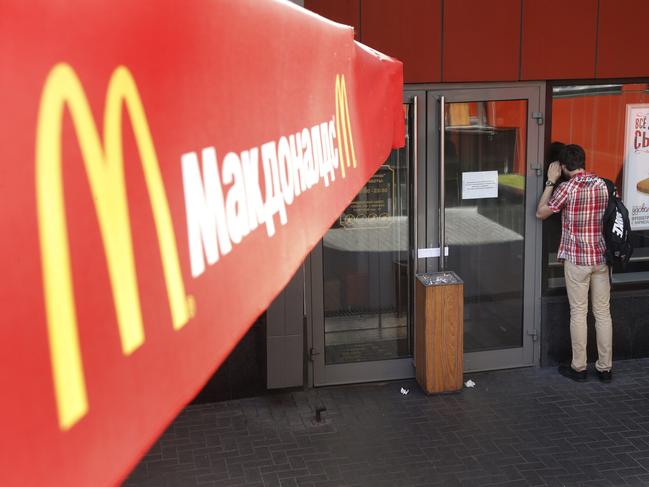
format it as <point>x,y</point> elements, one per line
<point>573,157</point>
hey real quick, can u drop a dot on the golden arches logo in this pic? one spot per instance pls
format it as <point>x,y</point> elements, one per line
<point>344,126</point>
<point>104,166</point>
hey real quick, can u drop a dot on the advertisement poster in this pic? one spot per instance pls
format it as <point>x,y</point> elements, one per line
<point>635,190</point>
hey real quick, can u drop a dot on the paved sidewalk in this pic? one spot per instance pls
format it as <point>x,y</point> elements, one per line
<point>522,427</point>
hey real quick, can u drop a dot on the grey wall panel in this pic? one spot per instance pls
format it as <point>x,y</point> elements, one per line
<point>294,305</point>
<point>275,317</point>
<point>285,336</point>
<point>285,366</point>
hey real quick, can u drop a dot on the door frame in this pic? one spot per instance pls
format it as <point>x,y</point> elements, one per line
<point>320,374</point>
<point>425,196</point>
<point>534,92</point>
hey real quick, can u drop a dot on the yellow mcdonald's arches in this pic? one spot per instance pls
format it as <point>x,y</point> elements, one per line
<point>104,166</point>
<point>344,126</point>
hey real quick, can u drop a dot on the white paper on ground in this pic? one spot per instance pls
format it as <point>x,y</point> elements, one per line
<point>469,383</point>
<point>404,391</point>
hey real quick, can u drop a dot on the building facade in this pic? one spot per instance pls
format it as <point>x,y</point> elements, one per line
<point>489,85</point>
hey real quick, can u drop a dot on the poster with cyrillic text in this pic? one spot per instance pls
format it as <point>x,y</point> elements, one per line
<point>635,190</point>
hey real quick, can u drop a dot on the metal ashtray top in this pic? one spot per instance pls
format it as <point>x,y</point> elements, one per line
<point>439,278</point>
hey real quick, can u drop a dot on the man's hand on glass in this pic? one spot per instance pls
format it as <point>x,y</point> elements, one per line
<point>554,172</point>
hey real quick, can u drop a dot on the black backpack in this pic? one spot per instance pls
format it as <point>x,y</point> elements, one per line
<point>616,228</point>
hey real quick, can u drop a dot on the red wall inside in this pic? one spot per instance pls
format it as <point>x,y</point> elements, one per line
<point>597,123</point>
<point>506,114</point>
<point>501,40</point>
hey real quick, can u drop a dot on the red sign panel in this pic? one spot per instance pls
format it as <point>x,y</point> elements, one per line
<point>165,167</point>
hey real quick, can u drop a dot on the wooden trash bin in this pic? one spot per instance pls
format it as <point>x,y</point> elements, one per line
<point>439,333</point>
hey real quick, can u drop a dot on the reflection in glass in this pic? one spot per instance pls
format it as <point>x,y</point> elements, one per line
<point>366,270</point>
<point>485,143</point>
<point>594,116</point>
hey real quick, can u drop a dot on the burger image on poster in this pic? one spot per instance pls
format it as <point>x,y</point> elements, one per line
<point>643,186</point>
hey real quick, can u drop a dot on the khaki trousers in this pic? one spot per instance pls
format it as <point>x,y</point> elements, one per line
<point>579,279</point>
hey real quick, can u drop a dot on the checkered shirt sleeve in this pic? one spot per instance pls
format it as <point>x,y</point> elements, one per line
<point>559,198</point>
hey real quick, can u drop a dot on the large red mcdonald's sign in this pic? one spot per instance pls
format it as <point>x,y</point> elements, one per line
<point>164,170</point>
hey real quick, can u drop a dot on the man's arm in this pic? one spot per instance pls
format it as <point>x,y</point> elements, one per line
<point>543,211</point>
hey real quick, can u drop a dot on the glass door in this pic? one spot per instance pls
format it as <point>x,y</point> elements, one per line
<point>362,277</point>
<point>484,148</point>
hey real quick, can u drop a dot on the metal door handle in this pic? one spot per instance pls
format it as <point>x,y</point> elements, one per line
<point>415,183</point>
<point>442,175</point>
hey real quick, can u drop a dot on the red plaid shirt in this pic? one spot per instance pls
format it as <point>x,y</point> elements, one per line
<point>583,200</point>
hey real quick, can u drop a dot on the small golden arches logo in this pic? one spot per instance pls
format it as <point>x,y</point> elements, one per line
<point>344,127</point>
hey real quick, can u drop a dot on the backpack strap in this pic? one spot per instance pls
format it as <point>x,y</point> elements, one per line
<point>610,187</point>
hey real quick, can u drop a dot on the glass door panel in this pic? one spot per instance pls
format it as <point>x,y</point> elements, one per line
<point>485,168</point>
<point>488,215</point>
<point>366,271</point>
<point>363,268</point>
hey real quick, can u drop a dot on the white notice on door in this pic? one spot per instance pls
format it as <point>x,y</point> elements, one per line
<point>479,184</point>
